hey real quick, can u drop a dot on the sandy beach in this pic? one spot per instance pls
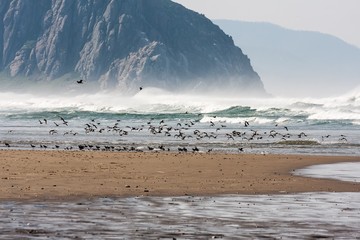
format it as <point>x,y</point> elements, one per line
<point>66,175</point>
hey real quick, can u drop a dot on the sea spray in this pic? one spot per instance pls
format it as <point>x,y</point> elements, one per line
<point>333,123</point>
<point>158,101</point>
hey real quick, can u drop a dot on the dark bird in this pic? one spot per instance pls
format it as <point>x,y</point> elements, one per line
<point>229,136</point>
<point>140,88</point>
<point>81,147</point>
<point>64,122</point>
<point>53,131</point>
<point>195,149</point>
<point>343,139</point>
<point>246,123</point>
<point>184,149</point>
<point>322,137</point>
<point>302,134</point>
<point>80,81</point>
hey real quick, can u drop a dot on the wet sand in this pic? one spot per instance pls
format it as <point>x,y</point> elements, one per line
<point>46,175</point>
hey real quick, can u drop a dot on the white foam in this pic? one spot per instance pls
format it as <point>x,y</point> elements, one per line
<point>356,122</point>
<point>152,100</point>
<point>334,114</point>
<point>282,120</point>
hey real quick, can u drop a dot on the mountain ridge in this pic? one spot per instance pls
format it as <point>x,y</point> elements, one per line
<point>296,62</point>
<point>121,44</point>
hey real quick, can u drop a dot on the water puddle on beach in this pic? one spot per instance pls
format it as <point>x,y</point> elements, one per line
<point>293,216</point>
<point>349,172</point>
<point>282,216</point>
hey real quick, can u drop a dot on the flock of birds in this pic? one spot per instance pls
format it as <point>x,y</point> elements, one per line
<point>187,134</point>
<point>184,131</point>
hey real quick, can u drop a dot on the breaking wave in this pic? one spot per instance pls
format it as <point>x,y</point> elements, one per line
<point>156,101</point>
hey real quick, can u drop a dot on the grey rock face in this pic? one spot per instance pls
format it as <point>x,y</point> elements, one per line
<point>123,44</point>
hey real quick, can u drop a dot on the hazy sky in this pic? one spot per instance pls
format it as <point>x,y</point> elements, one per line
<point>337,17</point>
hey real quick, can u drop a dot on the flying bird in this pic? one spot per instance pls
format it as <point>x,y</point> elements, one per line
<point>80,81</point>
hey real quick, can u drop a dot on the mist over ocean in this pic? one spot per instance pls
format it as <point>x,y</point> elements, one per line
<point>155,117</point>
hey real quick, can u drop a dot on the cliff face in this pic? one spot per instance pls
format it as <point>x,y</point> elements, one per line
<point>124,44</point>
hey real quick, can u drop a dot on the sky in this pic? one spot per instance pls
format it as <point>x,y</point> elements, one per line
<point>340,18</point>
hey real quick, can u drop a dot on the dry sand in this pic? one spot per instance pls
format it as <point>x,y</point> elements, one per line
<point>67,175</point>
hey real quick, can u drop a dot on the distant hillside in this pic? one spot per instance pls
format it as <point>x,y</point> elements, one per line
<point>297,63</point>
<point>120,44</point>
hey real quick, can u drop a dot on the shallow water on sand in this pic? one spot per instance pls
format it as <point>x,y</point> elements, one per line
<point>341,171</point>
<point>285,216</point>
<point>298,216</point>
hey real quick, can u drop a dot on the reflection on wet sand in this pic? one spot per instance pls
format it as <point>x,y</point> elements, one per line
<point>349,172</point>
<point>293,216</point>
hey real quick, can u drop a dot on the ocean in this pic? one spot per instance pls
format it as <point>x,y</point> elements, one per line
<point>154,120</point>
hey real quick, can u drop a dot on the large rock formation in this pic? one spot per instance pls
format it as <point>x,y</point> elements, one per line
<point>123,44</point>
